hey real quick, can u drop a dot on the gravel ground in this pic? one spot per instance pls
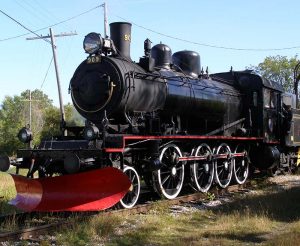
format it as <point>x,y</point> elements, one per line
<point>281,182</point>
<point>288,181</point>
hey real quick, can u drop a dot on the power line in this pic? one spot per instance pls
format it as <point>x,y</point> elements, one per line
<point>47,27</point>
<point>20,24</point>
<point>205,44</point>
<point>46,11</point>
<point>47,72</point>
<point>31,11</point>
<point>145,28</point>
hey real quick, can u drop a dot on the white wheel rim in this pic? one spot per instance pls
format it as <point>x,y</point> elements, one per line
<point>138,185</point>
<point>158,173</point>
<point>208,168</point>
<point>230,167</point>
<point>243,165</point>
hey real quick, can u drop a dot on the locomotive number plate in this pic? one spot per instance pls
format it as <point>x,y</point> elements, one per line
<point>93,59</point>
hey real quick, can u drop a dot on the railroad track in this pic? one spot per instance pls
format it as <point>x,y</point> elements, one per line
<point>36,231</point>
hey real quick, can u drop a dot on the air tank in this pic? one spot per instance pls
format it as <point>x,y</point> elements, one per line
<point>187,62</point>
<point>162,56</point>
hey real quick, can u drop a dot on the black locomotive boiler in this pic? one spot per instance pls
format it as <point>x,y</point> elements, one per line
<point>164,121</point>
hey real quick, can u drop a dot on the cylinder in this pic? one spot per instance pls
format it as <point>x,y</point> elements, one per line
<point>120,33</point>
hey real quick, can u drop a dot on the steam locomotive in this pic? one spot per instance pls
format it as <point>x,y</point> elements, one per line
<point>166,122</point>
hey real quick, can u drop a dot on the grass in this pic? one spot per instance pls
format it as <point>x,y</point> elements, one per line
<point>88,231</point>
<point>198,228</point>
<point>7,192</point>
<point>266,217</point>
<point>263,218</point>
<point>163,228</point>
<point>288,237</point>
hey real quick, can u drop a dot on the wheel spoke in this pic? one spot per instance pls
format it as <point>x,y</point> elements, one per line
<point>164,164</point>
<point>168,183</point>
<point>222,171</point>
<point>133,178</point>
<point>166,172</point>
<point>199,175</point>
<point>165,179</point>
<point>220,166</point>
<point>200,168</point>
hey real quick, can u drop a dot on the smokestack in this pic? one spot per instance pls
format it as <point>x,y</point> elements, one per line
<point>120,33</point>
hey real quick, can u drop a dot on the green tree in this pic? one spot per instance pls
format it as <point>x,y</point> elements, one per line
<point>279,69</point>
<point>39,105</point>
<point>11,121</point>
<point>52,120</point>
<point>46,119</point>
<point>14,114</point>
<point>74,118</point>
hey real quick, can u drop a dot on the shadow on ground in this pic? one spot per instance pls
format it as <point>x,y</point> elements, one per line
<point>283,207</point>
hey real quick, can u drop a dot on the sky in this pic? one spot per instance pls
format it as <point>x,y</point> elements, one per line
<point>255,24</point>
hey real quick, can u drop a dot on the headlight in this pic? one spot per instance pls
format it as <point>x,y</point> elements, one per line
<point>25,135</point>
<point>91,132</point>
<point>92,43</point>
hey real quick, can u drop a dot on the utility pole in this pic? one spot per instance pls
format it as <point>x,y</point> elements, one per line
<point>30,118</point>
<point>62,111</point>
<point>296,82</point>
<point>30,100</point>
<point>105,20</point>
<point>30,115</point>
<point>52,37</point>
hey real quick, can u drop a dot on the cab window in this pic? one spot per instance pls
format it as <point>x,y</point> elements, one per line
<point>270,99</point>
<point>267,96</point>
